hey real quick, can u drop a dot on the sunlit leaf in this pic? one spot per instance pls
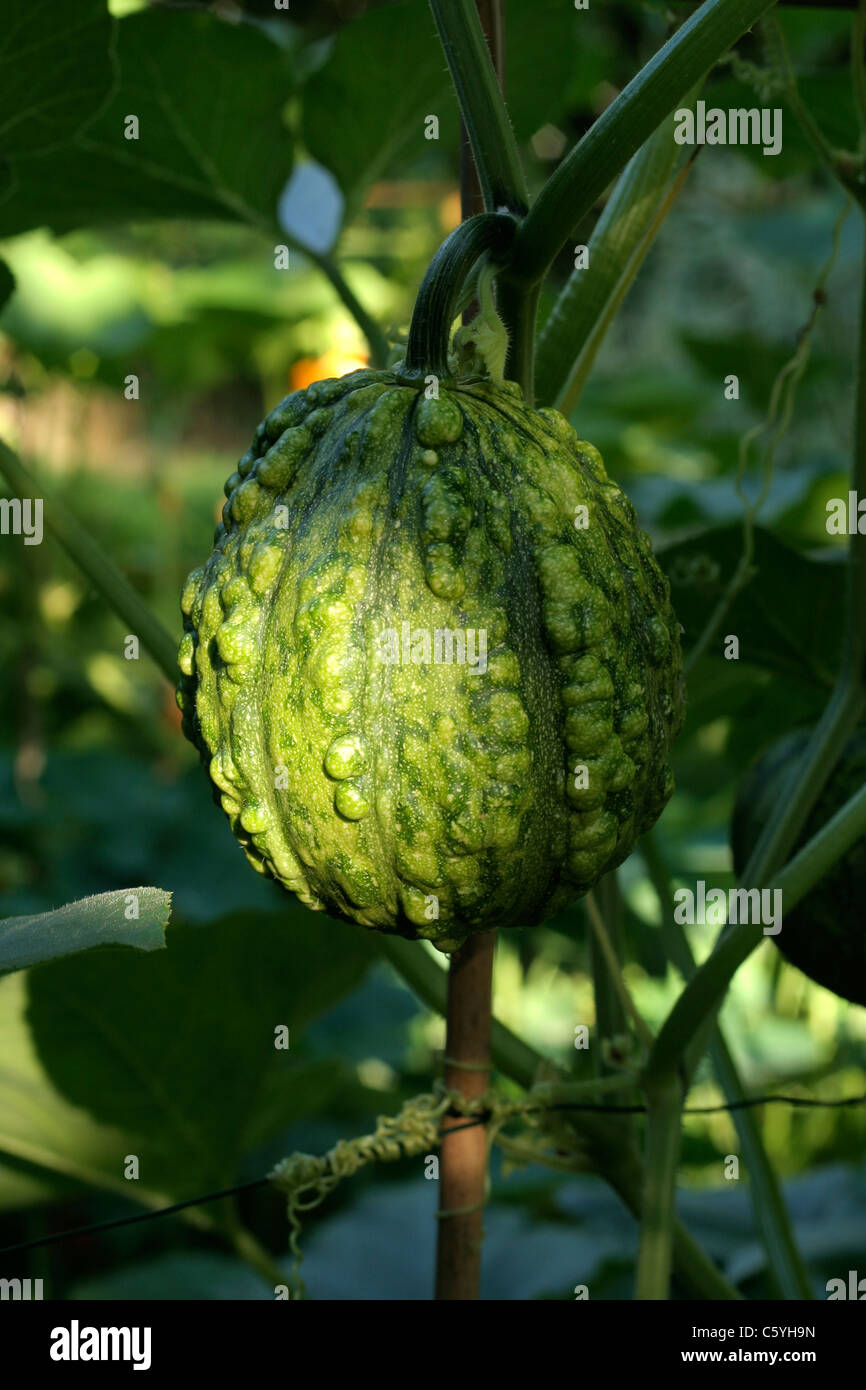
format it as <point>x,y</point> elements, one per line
<point>100,921</point>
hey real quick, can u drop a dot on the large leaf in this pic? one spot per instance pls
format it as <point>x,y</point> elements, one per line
<point>46,1144</point>
<point>387,68</point>
<point>367,104</point>
<point>178,1049</point>
<point>98,921</point>
<point>212,142</point>
<point>56,72</point>
<point>788,618</point>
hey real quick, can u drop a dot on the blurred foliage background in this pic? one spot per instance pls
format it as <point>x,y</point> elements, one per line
<point>172,278</point>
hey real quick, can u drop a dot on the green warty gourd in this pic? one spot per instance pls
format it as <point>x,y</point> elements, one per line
<point>431,663</point>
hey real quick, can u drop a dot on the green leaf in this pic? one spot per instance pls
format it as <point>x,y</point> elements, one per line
<point>387,70</point>
<point>46,1144</point>
<point>788,619</point>
<point>98,921</point>
<point>209,98</point>
<point>57,70</point>
<point>177,1049</point>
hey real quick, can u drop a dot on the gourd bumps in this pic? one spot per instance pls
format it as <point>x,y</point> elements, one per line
<point>431,663</point>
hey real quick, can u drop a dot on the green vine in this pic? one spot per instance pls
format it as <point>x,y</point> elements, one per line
<point>488,126</point>
<point>776,424</point>
<point>307,1180</point>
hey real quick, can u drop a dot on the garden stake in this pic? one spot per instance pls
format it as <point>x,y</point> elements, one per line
<point>463,1158</point>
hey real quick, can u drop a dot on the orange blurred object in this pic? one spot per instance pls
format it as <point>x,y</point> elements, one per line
<point>336,362</point>
<point>170,713</point>
<point>449,211</point>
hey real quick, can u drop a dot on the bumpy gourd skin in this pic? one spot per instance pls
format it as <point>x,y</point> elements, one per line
<point>432,799</point>
<point>824,934</point>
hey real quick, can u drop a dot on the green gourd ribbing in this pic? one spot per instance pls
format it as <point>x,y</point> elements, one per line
<point>823,935</point>
<point>368,532</point>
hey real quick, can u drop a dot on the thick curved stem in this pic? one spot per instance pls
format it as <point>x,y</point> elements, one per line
<point>439,295</point>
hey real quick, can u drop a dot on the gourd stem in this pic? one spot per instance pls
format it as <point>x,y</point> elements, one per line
<point>439,295</point>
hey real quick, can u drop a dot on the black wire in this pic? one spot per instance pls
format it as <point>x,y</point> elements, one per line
<point>749,1103</point>
<point>131,1220</point>
<point>802,1102</point>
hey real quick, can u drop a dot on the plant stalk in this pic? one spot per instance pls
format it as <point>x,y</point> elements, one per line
<point>610,1011</point>
<point>707,989</point>
<point>463,1154</point>
<point>476,69</point>
<point>610,1151</point>
<point>768,1202</point>
<point>655,1254</point>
